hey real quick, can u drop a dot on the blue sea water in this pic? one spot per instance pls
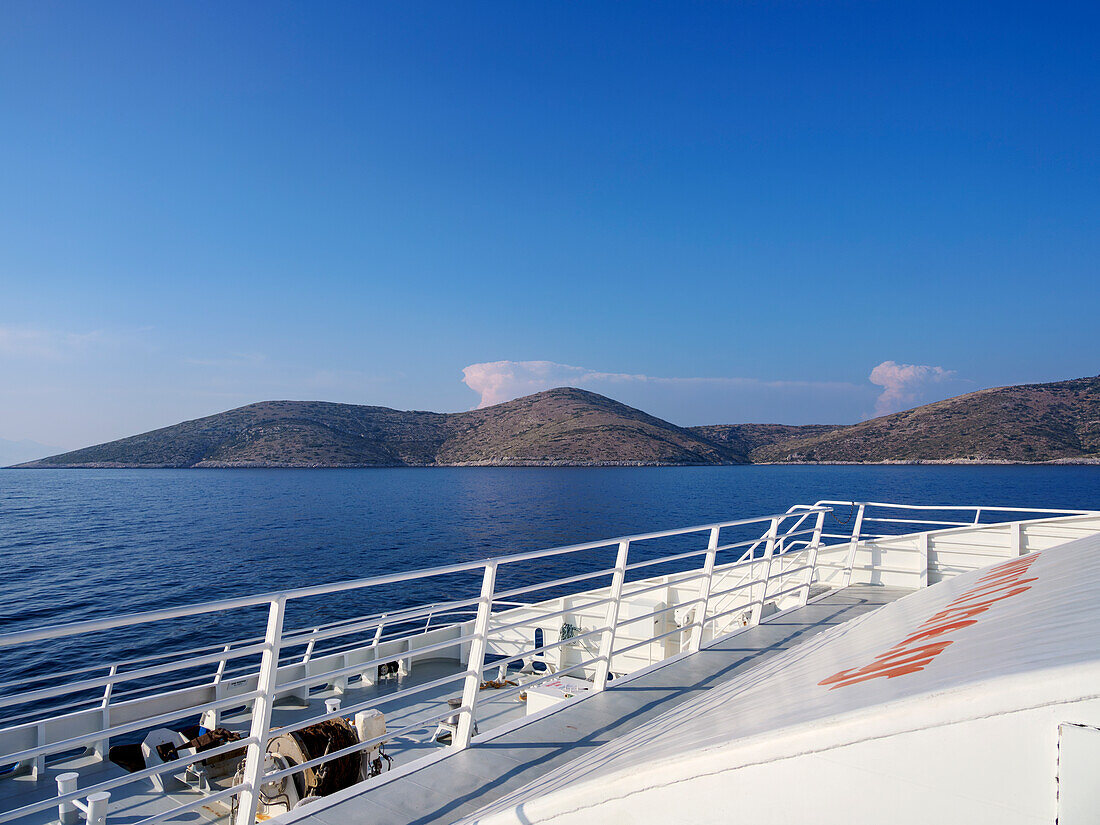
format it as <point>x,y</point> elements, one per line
<point>76,544</point>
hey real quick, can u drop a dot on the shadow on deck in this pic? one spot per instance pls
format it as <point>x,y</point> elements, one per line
<point>458,784</point>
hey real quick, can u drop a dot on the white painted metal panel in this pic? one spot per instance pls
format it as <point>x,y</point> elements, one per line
<point>1078,774</point>
<point>996,771</point>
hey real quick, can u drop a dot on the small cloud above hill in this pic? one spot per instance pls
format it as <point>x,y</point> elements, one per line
<point>905,385</point>
<point>683,400</point>
<point>500,381</point>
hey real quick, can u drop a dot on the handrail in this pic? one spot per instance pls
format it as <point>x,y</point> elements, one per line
<point>305,635</point>
<point>961,507</point>
<point>110,623</point>
<point>370,703</point>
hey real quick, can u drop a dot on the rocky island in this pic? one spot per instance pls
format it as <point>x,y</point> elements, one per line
<point>1057,422</point>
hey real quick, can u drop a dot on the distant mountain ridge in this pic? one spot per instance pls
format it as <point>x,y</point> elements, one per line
<point>1026,423</point>
<point>560,426</point>
<point>566,426</point>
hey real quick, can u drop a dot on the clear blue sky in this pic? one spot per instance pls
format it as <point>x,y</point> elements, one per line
<point>206,204</point>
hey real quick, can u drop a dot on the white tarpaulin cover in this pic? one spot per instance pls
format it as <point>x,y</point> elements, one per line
<point>1022,634</point>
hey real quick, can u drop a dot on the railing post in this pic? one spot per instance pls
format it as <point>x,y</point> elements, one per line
<point>1016,538</point>
<point>378,630</point>
<point>249,798</point>
<point>852,545</point>
<point>615,597</point>
<point>769,551</point>
<point>811,559</point>
<point>370,669</point>
<point>219,674</point>
<point>211,719</point>
<point>924,544</point>
<point>66,811</point>
<point>103,746</point>
<point>696,640</point>
<point>309,647</point>
<point>476,662</point>
<point>38,762</point>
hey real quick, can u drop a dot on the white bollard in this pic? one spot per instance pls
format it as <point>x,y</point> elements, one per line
<point>66,811</point>
<point>97,808</point>
<point>332,705</point>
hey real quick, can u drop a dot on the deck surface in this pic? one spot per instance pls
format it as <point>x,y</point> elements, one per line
<point>140,800</point>
<point>453,787</point>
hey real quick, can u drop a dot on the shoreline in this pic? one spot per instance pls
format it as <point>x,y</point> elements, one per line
<point>1068,462</point>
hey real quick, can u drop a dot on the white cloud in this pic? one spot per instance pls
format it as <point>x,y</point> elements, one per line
<point>684,400</point>
<point>31,343</point>
<point>499,381</point>
<point>904,385</point>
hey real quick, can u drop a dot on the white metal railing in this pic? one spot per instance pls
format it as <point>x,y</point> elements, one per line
<point>264,684</point>
<point>930,519</point>
<point>772,567</point>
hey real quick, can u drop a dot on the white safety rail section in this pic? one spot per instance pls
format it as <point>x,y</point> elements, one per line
<point>950,540</point>
<point>627,625</point>
<point>975,701</point>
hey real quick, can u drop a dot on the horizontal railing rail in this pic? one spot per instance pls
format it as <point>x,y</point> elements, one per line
<point>109,623</point>
<point>888,513</point>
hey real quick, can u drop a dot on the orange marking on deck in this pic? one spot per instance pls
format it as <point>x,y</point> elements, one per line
<point>1002,582</point>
